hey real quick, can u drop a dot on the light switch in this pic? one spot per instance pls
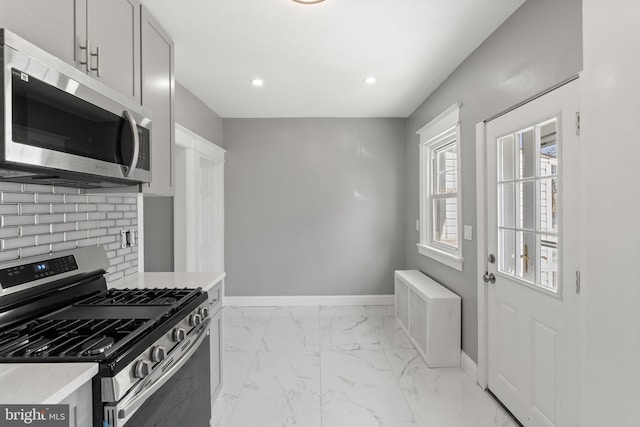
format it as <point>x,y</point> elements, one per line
<point>468,232</point>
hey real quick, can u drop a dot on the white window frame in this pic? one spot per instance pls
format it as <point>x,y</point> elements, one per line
<point>439,132</point>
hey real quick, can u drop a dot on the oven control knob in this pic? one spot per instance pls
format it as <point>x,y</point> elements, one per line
<point>195,320</point>
<point>158,354</point>
<point>204,312</point>
<point>179,335</point>
<point>142,369</point>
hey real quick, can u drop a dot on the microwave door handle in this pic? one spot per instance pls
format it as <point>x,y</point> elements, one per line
<point>136,142</point>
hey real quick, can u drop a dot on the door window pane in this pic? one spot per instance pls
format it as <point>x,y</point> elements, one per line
<point>549,205</point>
<point>507,205</point>
<point>528,213</point>
<point>526,255</point>
<point>549,262</point>
<point>507,157</point>
<point>507,252</point>
<point>526,144</point>
<point>548,148</point>
<point>527,205</point>
<point>446,221</point>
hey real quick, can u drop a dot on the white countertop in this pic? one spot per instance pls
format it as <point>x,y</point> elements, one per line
<point>168,280</point>
<point>42,383</point>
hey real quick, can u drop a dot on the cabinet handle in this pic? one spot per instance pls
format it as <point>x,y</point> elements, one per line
<point>96,55</point>
<point>86,49</point>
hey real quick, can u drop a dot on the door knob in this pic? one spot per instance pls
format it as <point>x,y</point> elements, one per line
<point>489,277</point>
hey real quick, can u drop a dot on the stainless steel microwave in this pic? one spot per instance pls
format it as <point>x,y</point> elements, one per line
<point>62,127</point>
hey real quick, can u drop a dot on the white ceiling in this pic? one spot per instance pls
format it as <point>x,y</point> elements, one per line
<point>313,58</point>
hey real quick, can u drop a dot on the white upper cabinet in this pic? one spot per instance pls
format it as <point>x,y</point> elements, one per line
<point>158,89</point>
<point>100,37</point>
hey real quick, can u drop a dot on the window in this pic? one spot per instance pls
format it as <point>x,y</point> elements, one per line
<point>440,198</point>
<point>528,205</point>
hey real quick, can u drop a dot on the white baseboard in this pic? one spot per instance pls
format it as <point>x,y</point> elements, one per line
<point>308,301</point>
<point>469,366</point>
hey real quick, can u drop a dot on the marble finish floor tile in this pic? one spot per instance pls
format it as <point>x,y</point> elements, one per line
<point>235,367</point>
<point>359,389</point>
<point>348,332</point>
<point>444,396</point>
<point>291,329</point>
<point>244,327</point>
<point>338,366</point>
<point>281,389</point>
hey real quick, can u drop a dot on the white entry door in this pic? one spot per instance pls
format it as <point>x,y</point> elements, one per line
<point>533,223</point>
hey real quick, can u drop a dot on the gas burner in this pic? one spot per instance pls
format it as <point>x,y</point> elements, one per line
<point>97,345</point>
<point>37,347</point>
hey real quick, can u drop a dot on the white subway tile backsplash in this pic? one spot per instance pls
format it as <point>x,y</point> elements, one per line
<point>18,242</point>
<point>49,219</point>
<point>9,209</point>
<point>87,208</point>
<point>65,246</point>
<point>97,199</point>
<point>58,228</point>
<point>73,198</point>
<point>49,198</point>
<point>37,188</point>
<point>32,230</point>
<point>75,217</point>
<point>97,215</point>
<point>10,220</point>
<point>18,197</point>
<point>9,255</point>
<point>34,251</point>
<point>63,208</point>
<point>34,209</point>
<point>38,219</point>
<point>46,239</point>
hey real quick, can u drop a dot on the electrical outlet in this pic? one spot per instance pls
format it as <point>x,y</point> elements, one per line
<point>417,225</point>
<point>131,237</point>
<point>123,239</point>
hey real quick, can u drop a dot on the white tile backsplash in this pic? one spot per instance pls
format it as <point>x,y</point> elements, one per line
<point>39,219</point>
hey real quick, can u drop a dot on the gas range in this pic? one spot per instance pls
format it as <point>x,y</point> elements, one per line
<point>57,308</point>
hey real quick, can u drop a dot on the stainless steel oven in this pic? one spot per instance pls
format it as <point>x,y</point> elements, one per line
<point>61,126</point>
<point>152,346</point>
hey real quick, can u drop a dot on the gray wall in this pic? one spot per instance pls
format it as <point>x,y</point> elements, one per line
<point>158,211</point>
<point>193,114</point>
<point>158,233</point>
<point>313,206</point>
<point>538,46</point>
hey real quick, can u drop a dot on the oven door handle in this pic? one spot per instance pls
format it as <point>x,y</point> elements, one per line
<point>136,397</point>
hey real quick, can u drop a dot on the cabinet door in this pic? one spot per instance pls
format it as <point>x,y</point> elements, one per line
<point>158,87</point>
<point>113,32</point>
<point>216,355</point>
<point>50,25</point>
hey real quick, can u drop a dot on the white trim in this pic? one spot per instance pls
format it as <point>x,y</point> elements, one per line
<point>481,242</point>
<point>445,120</point>
<point>308,301</point>
<point>439,132</point>
<point>140,236</point>
<point>444,257</point>
<point>186,138</point>
<point>469,366</point>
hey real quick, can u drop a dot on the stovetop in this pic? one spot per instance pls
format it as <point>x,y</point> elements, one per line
<point>96,328</point>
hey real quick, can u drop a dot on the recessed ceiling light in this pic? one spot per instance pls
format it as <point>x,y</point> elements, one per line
<point>308,1</point>
<point>257,82</point>
<point>370,80</point>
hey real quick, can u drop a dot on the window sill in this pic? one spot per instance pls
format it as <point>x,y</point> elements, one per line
<point>451,260</point>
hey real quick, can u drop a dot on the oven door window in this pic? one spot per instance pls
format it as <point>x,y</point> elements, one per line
<point>184,400</point>
<point>47,117</point>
